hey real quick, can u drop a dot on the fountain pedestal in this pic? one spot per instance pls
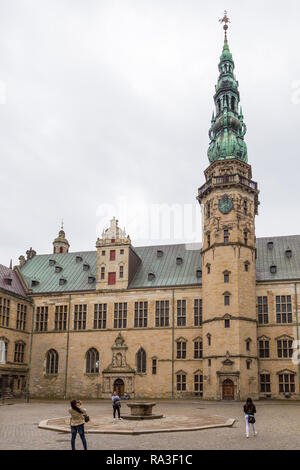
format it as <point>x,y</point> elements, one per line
<point>141,410</point>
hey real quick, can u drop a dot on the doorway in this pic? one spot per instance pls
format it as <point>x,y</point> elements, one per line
<point>119,387</point>
<point>228,390</point>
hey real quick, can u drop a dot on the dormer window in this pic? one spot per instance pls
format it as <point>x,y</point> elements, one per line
<point>34,282</point>
<point>288,253</point>
<point>151,276</point>
<point>62,281</point>
<point>78,259</point>
<point>58,269</point>
<point>91,279</point>
<point>199,273</point>
<point>179,260</point>
<point>52,262</point>
<point>273,269</point>
<point>86,267</point>
<point>159,253</point>
<point>270,245</point>
<point>8,281</point>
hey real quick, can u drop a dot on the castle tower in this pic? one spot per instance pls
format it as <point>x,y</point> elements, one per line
<point>117,261</point>
<point>61,244</point>
<point>229,203</point>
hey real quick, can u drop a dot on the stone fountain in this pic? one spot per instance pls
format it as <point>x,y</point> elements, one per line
<point>141,410</point>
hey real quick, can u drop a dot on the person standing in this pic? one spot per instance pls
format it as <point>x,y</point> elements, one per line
<point>116,403</point>
<point>249,410</point>
<point>77,420</point>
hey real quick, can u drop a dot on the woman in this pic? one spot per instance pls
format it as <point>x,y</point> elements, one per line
<point>249,409</point>
<point>116,403</point>
<point>77,421</point>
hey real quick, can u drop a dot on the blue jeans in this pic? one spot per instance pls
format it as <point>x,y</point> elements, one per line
<point>80,430</point>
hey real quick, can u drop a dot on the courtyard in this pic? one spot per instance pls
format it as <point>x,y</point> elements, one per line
<point>278,426</point>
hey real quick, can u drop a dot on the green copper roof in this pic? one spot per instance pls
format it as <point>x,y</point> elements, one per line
<point>227,125</point>
<point>280,252</point>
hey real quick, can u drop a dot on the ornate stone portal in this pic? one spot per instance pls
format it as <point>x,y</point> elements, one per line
<point>118,375</point>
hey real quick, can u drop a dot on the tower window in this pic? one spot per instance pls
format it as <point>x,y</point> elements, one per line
<point>226,236</point>
<point>208,240</point>
<point>248,345</point>
<point>245,207</point>
<point>246,267</point>
<point>226,299</point>
<point>111,279</point>
<point>227,323</point>
<point>209,339</point>
<point>246,237</point>
<point>102,273</point>
<point>248,363</point>
<point>226,277</point>
<point>103,253</point>
<point>208,268</point>
<point>121,271</point>
<point>208,210</point>
<point>61,250</point>
<point>122,252</point>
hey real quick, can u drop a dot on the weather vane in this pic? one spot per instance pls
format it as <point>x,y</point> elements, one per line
<point>225,20</point>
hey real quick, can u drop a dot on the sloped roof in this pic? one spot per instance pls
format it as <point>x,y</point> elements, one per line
<point>286,268</point>
<point>167,272</point>
<point>15,287</point>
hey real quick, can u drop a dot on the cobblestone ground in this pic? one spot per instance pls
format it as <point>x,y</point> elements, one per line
<point>278,426</point>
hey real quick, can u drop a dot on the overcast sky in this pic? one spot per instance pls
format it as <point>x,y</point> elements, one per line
<point>106,104</point>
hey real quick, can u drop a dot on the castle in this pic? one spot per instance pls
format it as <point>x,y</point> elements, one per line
<point>168,321</point>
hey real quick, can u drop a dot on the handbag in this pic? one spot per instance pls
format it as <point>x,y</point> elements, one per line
<point>251,419</point>
<point>86,418</point>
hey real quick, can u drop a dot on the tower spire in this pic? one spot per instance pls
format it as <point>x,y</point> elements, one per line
<point>228,129</point>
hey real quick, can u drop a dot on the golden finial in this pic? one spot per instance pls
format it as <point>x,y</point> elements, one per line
<point>225,20</point>
<point>62,224</point>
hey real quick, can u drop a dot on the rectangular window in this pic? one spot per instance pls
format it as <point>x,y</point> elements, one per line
<point>198,349</point>
<point>226,236</point>
<point>154,366</point>
<point>181,350</point>
<point>226,299</point>
<point>80,316</point>
<point>41,320</point>
<point>198,385</point>
<point>61,312</point>
<point>102,273</point>
<point>285,348</point>
<point>208,240</point>
<point>181,382</point>
<point>112,255</point>
<point>286,383</point>
<point>262,310</point>
<point>21,317</point>
<point>264,348</point>
<point>283,309</point>
<point>4,311</point>
<point>226,278</point>
<point>19,352</point>
<point>121,271</point>
<point>140,314</point>
<point>100,311</point>
<point>227,323</point>
<point>181,313</point>
<point>197,312</point>
<point>162,313</point>
<point>245,208</point>
<point>208,210</point>
<point>265,383</point>
<point>111,279</point>
<point>245,238</point>
<point>120,315</point>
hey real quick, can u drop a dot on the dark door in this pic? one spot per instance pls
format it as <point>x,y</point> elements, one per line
<point>228,390</point>
<point>119,387</point>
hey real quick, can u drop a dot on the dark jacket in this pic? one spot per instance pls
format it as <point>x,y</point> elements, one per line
<point>249,409</point>
<point>116,400</point>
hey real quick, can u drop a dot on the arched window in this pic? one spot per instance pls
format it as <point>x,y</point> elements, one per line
<point>52,362</point>
<point>233,103</point>
<point>92,361</point>
<point>141,361</point>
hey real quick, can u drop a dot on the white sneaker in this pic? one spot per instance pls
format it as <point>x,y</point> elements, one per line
<point>247,436</point>
<point>120,419</point>
<point>255,434</point>
<point>114,421</point>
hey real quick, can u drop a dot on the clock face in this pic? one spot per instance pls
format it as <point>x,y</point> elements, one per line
<point>226,204</point>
